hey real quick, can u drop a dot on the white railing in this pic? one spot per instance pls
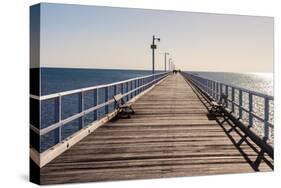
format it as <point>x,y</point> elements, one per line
<point>59,107</point>
<point>253,109</point>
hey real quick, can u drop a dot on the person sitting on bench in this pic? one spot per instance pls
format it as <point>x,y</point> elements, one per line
<point>122,107</point>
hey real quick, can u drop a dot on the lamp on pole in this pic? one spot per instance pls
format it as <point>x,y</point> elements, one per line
<point>153,46</point>
<point>166,53</point>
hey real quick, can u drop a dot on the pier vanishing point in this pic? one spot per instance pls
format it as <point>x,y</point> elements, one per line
<point>171,133</point>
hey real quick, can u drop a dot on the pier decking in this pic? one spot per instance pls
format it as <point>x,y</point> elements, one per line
<point>170,135</point>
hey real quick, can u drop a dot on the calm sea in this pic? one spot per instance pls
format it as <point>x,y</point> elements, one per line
<point>55,80</point>
<point>261,82</point>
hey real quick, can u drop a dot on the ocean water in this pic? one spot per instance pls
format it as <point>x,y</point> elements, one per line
<point>260,82</point>
<point>55,80</point>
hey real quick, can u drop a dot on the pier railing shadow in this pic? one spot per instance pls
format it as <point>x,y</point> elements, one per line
<point>238,134</point>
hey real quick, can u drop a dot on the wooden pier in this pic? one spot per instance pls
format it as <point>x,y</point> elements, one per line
<point>170,135</point>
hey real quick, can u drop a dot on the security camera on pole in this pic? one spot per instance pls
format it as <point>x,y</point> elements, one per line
<point>153,46</point>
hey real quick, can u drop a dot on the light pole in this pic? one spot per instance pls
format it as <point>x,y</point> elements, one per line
<point>153,46</point>
<point>170,61</point>
<point>166,53</point>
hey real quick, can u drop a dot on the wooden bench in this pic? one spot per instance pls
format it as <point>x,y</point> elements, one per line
<point>123,108</point>
<point>218,106</point>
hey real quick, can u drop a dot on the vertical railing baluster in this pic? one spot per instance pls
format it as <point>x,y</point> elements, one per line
<point>122,88</point>
<point>220,86</point>
<point>210,86</point>
<point>59,119</point>
<point>81,108</point>
<point>114,93</point>
<point>250,109</point>
<point>226,93</point>
<point>266,118</point>
<point>206,86</point>
<point>141,85</point>
<point>208,83</point>
<point>240,104</point>
<point>217,91</point>
<point>96,102</point>
<point>139,90</point>
<point>131,88</point>
<point>106,90</point>
<point>214,89</point>
<point>136,86</point>
<point>127,90</point>
<point>232,98</point>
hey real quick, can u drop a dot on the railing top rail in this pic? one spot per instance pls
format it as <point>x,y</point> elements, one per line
<point>63,93</point>
<point>236,87</point>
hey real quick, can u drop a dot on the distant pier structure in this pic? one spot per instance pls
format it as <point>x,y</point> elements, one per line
<point>172,132</point>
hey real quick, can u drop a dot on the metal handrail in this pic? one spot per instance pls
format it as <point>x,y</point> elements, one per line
<point>214,90</point>
<point>54,95</point>
<point>237,87</point>
<point>140,85</point>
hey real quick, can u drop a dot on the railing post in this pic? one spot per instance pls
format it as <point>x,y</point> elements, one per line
<point>136,86</point>
<point>81,108</point>
<point>220,90</point>
<point>114,93</point>
<point>122,88</point>
<point>106,99</point>
<point>250,109</point>
<point>96,101</point>
<point>217,91</point>
<point>132,93</point>
<point>226,93</point>
<point>127,90</point>
<point>266,118</point>
<point>142,83</point>
<point>206,85</point>
<point>59,133</point>
<point>240,104</point>
<point>232,98</point>
<point>209,89</point>
<point>214,89</point>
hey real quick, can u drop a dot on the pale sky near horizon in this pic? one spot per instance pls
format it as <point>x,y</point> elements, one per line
<point>119,38</point>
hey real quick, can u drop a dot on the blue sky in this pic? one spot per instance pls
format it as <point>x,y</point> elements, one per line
<point>104,37</point>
